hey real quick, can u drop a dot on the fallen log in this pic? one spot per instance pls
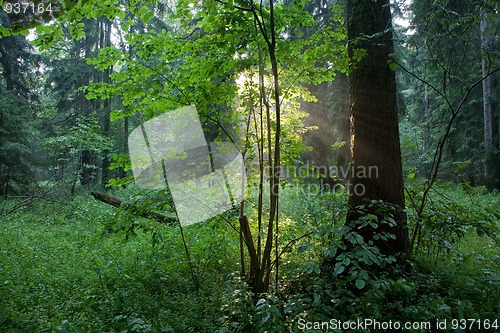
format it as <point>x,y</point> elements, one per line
<point>134,209</point>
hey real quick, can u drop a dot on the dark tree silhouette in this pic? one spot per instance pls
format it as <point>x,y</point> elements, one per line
<point>375,150</point>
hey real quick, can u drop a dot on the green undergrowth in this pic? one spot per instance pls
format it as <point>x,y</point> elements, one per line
<point>422,294</point>
<point>78,265</point>
<point>455,274</point>
<point>62,269</point>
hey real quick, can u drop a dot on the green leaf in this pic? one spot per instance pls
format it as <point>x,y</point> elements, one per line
<point>339,268</point>
<point>5,32</point>
<point>360,284</point>
<point>346,261</point>
<point>392,65</point>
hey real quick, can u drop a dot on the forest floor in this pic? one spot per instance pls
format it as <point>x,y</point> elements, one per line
<point>82,266</point>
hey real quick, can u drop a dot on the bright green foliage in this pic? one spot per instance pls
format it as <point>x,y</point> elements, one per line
<point>198,64</point>
<point>121,161</point>
<point>211,60</point>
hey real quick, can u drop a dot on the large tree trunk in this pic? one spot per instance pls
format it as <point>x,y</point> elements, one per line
<point>375,151</point>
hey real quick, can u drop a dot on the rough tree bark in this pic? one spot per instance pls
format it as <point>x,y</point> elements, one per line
<point>375,150</point>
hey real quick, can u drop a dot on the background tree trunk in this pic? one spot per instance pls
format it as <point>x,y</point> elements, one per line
<point>106,109</point>
<point>487,114</point>
<point>88,173</point>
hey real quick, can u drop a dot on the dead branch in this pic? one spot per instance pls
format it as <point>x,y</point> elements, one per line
<point>134,209</point>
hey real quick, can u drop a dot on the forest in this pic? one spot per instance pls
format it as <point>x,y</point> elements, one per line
<point>249,166</point>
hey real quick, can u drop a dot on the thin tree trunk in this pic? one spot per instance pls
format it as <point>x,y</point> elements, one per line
<point>87,161</point>
<point>487,114</point>
<point>265,268</point>
<point>106,121</point>
<point>425,117</point>
<point>123,173</point>
<point>260,263</point>
<point>495,107</point>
